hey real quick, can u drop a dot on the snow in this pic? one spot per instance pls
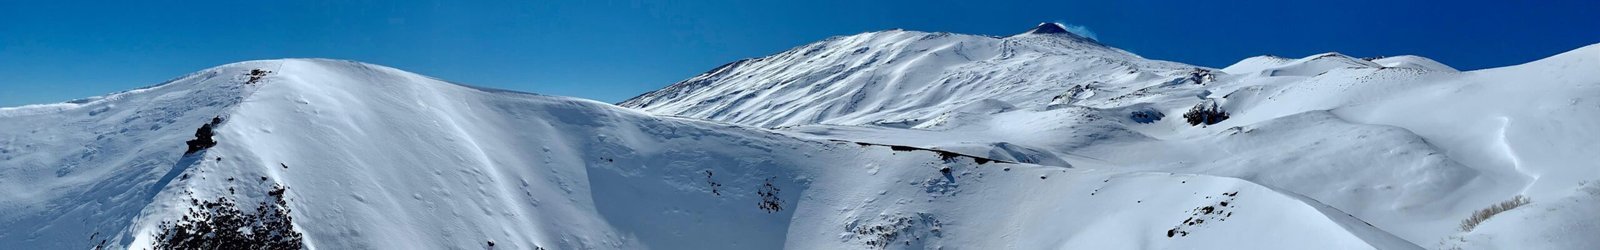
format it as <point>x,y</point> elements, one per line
<point>73,169</point>
<point>893,139</point>
<point>896,76</point>
<point>375,157</point>
<point>1406,143</point>
<point>1057,29</point>
<point>1564,223</point>
<point>1415,62</point>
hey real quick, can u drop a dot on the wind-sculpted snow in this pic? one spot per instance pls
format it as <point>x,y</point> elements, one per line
<point>364,156</point>
<point>894,139</point>
<point>1408,144</point>
<point>896,76</point>
<point>75,170</point>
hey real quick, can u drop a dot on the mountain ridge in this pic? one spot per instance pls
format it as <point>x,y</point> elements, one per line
<point>851,68</point>
<point>924,133</point>
<point>1323,115</point>
<point>373,157</point>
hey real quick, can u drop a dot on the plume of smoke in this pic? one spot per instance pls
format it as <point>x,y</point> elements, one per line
<point>1080,30</point>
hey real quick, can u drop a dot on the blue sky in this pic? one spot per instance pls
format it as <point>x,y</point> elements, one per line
<point>53,51</point>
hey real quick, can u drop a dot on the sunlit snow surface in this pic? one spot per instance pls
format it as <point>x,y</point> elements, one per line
<point>1322,152</point>
<point>1405,143</point>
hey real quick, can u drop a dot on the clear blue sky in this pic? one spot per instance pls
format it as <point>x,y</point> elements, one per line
<point>53,51</point>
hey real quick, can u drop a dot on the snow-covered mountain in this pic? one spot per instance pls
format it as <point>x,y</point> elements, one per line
<point>901,78</point>
<point>366,156</point>
<point>1408,144</point>
<point>894,139</point>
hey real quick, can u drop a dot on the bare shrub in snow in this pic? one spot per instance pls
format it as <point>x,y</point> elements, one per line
<point>1484,214</point>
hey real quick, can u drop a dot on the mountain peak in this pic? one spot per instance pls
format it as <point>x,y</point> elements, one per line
<point>1054,29</point>
<point>1049,28</point>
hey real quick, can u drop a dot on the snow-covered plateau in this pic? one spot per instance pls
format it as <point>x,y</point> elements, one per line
<point>882,140</point>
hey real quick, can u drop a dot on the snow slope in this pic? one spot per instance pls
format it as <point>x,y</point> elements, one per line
<point>375,157</point>
<point>70,170</point>
<point>899,77</point>
<point>1406,143</point>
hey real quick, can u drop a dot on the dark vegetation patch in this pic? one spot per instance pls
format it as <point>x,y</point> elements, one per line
<point>97,245</point>
<point>715,187</point>
<point>219,224</point>
<point>1146,116</point>
<point>1199,76</point>
<point>769,197</point>
<point>202,137</point>
<point>256,75</point>
<point>1206,113</point>
<point>1071,93</point>
<point>890,230</point>
<point>1198,216</point>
